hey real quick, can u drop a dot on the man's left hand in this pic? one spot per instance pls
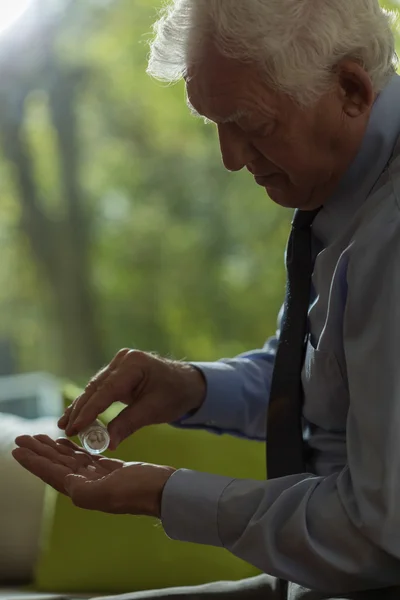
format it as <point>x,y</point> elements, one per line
<point>94,482</point>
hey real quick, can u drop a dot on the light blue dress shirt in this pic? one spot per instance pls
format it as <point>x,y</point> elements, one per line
<point>337,527</point>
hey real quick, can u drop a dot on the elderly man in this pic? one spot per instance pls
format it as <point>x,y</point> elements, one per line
<point>304,94</point>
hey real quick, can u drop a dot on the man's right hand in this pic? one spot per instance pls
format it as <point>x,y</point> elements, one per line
<point>155,390</point>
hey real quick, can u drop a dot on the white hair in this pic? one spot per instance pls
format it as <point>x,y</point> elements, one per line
<point>296,42</point>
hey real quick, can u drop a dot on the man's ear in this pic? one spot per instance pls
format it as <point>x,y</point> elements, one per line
<point>355,88</point>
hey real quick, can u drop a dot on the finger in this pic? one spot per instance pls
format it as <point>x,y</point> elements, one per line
<point>118,387</point>
<point>65,448</point>
<point>50,449</point>
<point>69,447</point>
<point>45,450</point>
<point>45,439</point>
<point>83,457</point>
<point>92,387</point>
<point>133,418</point>
<point>45,446</point>
<point>64,456</point>
<point>63,421</point>
<point>43,468</point>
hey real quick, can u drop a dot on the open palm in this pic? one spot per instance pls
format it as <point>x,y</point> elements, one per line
<point>93,482</point>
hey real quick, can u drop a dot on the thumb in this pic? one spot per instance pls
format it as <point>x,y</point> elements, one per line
<point>82,491</point>
<point>133,418</point>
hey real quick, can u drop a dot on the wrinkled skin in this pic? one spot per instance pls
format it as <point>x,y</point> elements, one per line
<point>94,482</point>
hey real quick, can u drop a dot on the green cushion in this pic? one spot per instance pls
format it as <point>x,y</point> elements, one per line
<point>84,551</point>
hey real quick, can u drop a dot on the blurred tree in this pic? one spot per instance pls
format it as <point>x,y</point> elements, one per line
<point>137,235</point>
<point>59,242</point>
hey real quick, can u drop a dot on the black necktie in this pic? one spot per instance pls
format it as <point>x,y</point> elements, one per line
<point>285,449</point>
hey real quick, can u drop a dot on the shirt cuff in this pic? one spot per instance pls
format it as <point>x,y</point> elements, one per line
<point>189,507</point>
<point>223,384</point>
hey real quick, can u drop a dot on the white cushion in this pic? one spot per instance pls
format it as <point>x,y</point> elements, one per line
<point>21,500</point>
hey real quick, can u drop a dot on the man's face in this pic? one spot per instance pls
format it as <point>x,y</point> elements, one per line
<point>297,154</point>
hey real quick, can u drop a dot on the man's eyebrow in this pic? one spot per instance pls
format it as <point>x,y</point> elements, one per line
<point>239,114</point>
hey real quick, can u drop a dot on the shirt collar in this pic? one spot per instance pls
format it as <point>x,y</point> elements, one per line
<point>376,149</point>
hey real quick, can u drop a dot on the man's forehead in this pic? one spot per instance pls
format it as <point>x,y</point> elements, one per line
<point>212,78</point>
<point>230,104</point>
<point>220,99</point>
<point>224,89</point>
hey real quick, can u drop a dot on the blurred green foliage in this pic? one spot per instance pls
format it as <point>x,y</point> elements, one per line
<point>118,224</point>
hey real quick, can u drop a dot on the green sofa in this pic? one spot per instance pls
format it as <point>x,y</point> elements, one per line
<point>92,552</point>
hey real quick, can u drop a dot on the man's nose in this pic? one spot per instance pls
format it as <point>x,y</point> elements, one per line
<point>236,151</point>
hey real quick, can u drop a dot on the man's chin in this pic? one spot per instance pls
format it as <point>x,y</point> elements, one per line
<point>280,197</point>
<point>287,200</point>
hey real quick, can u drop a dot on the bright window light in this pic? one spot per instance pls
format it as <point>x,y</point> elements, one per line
<point>10,11</point>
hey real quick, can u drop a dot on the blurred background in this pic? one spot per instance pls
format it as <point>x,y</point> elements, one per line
<point>118,224</point>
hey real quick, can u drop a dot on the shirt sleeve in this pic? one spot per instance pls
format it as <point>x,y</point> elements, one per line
<point>340,532</point>
<point>237,394</point>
